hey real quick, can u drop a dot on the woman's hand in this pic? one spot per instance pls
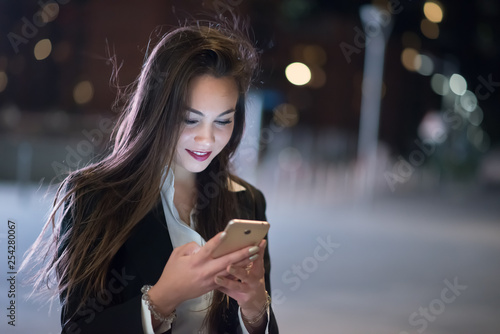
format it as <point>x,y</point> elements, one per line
<point>190,272</point>
<point>246,284</point>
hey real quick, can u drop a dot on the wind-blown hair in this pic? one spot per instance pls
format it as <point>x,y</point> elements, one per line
<point>105,200</point>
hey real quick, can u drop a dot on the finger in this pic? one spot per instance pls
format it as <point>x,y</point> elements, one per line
<point>231,293</point>
<point>262,247</point>
<point>245,262</point>
<point>224,290</point>
<point>257,260</point>
<point>246,254</point>
<point>224,273</point>
<point>260,254</point>
<point>189,248</point>
<point>239,273</point>
<point>229,285</point>
<point>214,242</point>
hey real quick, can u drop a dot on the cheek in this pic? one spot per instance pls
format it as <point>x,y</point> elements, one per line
<point>183,138</point>
<point>226,135</point>
<point>185,135</point>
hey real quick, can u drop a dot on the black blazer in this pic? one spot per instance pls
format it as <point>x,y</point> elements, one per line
<point>141,261</point>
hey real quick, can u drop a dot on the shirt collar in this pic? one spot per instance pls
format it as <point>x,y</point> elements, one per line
<point>168,186</point>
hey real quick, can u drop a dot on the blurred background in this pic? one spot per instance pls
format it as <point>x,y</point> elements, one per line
<point>373,130</point>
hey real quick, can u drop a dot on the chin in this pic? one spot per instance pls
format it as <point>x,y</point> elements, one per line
<point>197,168</point>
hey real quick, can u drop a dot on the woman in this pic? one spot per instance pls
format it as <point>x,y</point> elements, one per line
<point>129,251</point>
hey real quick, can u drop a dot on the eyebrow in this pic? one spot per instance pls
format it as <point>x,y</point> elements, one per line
<point>202,114</point>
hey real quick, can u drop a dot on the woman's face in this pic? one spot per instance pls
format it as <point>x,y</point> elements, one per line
<point>209,123</point>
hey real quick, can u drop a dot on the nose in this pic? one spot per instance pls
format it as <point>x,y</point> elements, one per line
<point>205,136</point>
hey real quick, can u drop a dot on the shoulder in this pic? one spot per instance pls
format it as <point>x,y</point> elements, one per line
<point>237,184</point>
<point>251,198</point>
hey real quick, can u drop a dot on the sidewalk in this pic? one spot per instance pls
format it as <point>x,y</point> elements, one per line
<point>407,264</point>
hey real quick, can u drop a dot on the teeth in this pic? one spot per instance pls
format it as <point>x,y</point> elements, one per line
<point>199,153</point>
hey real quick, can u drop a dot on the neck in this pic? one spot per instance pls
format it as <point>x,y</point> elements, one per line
<point>183,176</point>
<point>185,192</point>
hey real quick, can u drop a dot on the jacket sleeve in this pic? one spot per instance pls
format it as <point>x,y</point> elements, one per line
<point>117,308</point>
<point>112,310</point>
<point>260,214</point>
<point>98,318</point>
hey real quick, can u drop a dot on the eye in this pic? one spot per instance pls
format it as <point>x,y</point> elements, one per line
<point>190,121</point>
<point>224,122</point>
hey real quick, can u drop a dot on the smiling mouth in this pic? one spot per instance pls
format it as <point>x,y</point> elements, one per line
<point>198,155</point>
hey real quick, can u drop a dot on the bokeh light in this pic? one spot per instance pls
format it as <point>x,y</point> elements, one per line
<point>429,29</point>
<point>432,128</point>
<point>478,138</point>
<point>440,84</point>
<point>468,101</point>
<point>426,65</point>
<point>318,77</point>
<point>433,11</point>
<point>458,85</point>
<point>298,73</point>
<point>42,49</point>
<point>476,116</point>
<point>83,92</point>
<point>410,59</point>
<point>314,54</point>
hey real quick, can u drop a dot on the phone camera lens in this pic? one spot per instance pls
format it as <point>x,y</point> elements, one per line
<point>247,231</point>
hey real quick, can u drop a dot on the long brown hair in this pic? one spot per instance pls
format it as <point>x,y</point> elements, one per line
<point>107,199</point>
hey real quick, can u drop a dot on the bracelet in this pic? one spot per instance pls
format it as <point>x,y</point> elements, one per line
<point>145,296</point>
<point>257,318</point>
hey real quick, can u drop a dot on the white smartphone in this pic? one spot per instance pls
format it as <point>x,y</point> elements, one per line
<point>241,233</point>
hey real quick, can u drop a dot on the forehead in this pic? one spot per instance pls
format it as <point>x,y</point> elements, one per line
<point>207,92</point>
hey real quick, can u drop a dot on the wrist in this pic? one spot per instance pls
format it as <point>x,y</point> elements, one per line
<point>161,312</point>
<point>254,313</point>
<point>251,312</point>
<point>164,301</point>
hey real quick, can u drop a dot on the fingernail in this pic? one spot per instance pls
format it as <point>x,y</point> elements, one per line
<point>219,280</point>
<point>232,270</point>
<point>223,235</point>
<point>253,250</point>
<point>253,257</point>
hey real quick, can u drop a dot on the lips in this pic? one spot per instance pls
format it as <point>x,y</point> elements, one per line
<point>199,155</point>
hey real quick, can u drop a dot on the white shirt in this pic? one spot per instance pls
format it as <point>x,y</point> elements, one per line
<point>190,314</point>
